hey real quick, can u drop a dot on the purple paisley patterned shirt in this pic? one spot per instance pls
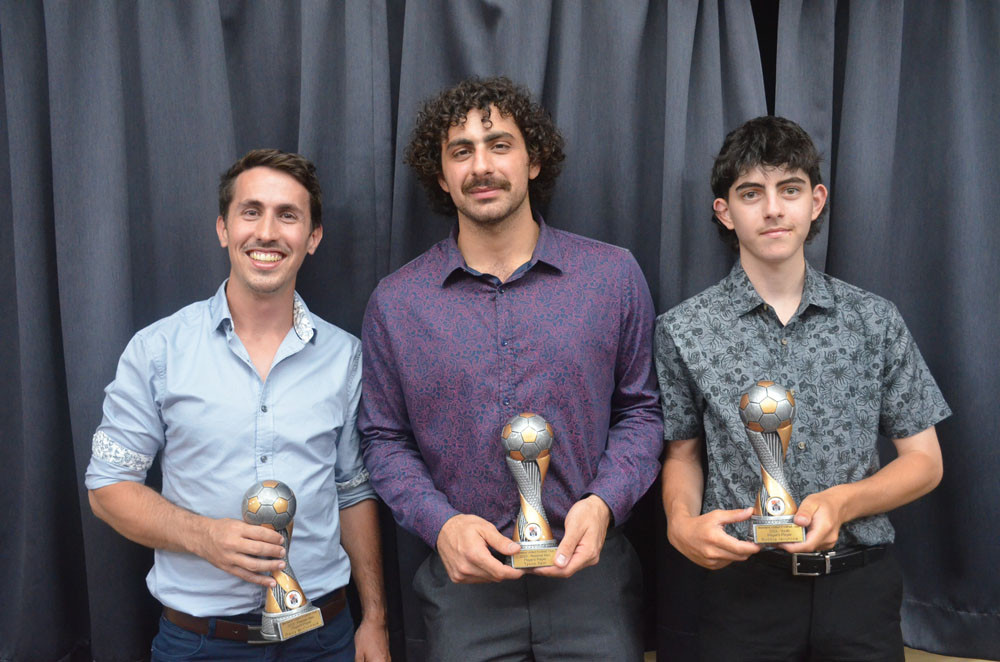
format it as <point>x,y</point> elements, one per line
<point>451,354</point>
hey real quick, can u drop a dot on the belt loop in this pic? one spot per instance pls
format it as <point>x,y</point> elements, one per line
<point>211,626</point>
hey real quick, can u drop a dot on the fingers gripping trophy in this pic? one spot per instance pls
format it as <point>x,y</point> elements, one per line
<point>287,611</point>
<point>527,439</point>
<point>767,411</point>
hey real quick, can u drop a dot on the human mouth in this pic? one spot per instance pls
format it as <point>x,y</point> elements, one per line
<point>267,257</point>
<point>485,188</point>
<point>776,232</point>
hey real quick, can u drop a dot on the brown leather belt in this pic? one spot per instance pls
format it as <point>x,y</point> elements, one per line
<point>241,631</point>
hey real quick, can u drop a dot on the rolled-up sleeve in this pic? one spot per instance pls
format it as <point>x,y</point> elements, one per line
<point>353,482</point>
<point>131,431</point>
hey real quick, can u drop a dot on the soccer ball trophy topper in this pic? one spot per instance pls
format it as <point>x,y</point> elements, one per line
<point>527,438</point>
<point>287,611</point>
<point>767,411</point>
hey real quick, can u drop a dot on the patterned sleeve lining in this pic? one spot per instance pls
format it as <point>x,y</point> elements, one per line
<point>105,448</point>
<point>359,479</point>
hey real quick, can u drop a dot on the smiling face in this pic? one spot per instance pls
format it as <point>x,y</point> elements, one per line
<point>268,232</point>
<point>771,210</point>
<point>486,169</point>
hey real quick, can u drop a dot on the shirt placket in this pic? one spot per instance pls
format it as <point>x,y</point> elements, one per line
<point>264,435</point>
<point>502,307</point>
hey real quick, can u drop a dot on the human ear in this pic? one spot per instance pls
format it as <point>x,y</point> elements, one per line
<point>721,208</point>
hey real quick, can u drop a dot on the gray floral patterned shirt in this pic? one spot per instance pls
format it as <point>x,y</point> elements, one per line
<point>847,356</point>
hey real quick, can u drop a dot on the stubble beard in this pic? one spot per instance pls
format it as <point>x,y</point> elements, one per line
<point>486,218</point>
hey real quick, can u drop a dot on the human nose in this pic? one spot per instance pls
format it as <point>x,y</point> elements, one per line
<point>267,227</point>
<point>774,208</point>
<point>482,164</point>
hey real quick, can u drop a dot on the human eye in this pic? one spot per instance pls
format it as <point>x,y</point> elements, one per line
<point>250,212</point>
<point>501,147</point>
<point>460,153</point>
<point>749,195</point>
<point>792,190</point>
<point>288,216</point>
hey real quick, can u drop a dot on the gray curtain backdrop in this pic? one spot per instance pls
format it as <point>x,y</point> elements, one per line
<point>116,119</point>
<point>905,99</point>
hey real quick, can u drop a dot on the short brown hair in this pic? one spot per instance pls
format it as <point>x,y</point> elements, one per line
<point>297,166</point>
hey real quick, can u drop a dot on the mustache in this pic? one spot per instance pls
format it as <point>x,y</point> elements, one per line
<point>486,182</point>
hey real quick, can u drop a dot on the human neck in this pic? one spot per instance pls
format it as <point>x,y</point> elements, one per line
<point>501,248</point>
<point>779,284</point>
<point>260,315</point>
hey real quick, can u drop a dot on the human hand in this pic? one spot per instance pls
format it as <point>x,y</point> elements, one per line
<point>586,527</point>
<point>822,515</point>
<point>463,545</point>
<point>703,538</point>
<point>371,641</point>
<point>241,549</point>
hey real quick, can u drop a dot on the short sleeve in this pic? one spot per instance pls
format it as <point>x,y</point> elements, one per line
<point>682,416</point>
<point>131,432</point>
<point>911,399</point>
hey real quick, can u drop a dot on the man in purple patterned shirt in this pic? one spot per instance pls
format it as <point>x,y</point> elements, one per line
<point>509,315</point>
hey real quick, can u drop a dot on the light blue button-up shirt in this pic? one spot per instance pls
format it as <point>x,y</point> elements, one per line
<point>186,388</point>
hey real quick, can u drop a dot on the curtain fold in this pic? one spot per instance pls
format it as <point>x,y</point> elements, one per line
<point>908,120</point>
<point>117,118</point>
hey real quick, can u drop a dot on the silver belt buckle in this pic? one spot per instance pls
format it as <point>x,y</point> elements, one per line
<point>824,555</point>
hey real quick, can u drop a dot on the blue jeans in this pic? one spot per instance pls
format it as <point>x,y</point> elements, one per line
<point>334,641</point>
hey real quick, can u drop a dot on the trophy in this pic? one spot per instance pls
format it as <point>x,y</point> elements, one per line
<point>767,411</point>
<point>287,611</point>
<point>527,439</point>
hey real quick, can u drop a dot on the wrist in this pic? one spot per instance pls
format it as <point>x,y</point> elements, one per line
<point>374,617</point>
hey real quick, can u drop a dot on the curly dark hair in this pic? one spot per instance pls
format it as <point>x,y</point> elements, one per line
<point>450,108</point>
<point>764,141</point>
<point>299,167</point>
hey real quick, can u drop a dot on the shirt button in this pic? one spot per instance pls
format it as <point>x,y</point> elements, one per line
<point>503,342</point>
<point>802,445</point>
<point>506,401</point>
<point>263,459</point>
<point>263,408</point>
<point>784,341</point>
<point>501,290</point>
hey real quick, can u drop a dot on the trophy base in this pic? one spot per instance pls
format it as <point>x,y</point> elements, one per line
<point>288,624</point>
<point>534,557</point>
<point>769,530</point>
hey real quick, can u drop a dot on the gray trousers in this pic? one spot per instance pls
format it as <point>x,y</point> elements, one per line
<point>593,615</point>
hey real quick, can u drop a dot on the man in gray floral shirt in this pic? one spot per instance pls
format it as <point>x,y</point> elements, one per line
<point>855,372</point>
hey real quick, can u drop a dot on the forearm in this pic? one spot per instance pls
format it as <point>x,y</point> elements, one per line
<point>683,479</point>
<point>914,473</point>
<point>362,541</point>
<point>142,515</point>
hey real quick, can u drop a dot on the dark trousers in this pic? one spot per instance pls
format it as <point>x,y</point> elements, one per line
<point>593,615</point>
<point>755,612</point>
<point>334,642</point>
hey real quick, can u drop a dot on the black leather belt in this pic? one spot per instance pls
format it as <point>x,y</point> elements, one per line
<point>816,564</point>
<point>235,631</point>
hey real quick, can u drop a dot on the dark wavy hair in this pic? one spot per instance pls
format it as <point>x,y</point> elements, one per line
<point>297,166</point>
<point>764,141</point>
<point>450,108</point>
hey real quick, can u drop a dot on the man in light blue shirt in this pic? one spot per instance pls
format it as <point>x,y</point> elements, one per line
<point>247,386</point>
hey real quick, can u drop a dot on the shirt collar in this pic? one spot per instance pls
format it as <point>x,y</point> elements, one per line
<point>548,250</point>
<point>223,319</point>
<point>743,297</point>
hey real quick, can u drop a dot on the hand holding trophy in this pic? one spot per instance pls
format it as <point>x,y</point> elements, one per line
<point>287,611</point>
<point>527,439</point>
<point>767,411</point>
